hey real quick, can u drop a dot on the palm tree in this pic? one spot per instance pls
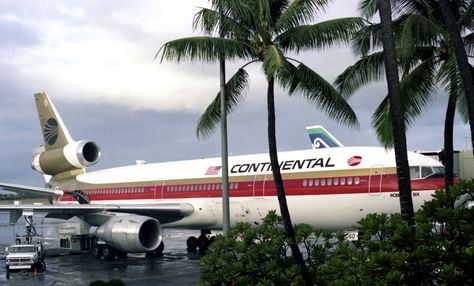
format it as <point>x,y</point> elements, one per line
<point>461,58</point>
<point>427,60</point>
<point>388,57</point>
<point>264,31</point>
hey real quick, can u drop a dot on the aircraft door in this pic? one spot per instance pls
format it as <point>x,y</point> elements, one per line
<point>259,186</point>
<point>375,180</point>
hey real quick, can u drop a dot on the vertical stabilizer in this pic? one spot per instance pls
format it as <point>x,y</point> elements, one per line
<point>54,131</point>
<point>321,138</point>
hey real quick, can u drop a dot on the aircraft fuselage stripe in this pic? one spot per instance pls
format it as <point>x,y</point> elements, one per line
<point>293,187</point>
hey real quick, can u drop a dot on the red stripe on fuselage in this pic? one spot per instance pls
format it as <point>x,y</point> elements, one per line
<point>293,187</point>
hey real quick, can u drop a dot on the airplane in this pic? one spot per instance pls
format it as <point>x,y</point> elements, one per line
<point>328,188</point>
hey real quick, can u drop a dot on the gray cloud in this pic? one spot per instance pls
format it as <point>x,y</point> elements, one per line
<point>134,107</point>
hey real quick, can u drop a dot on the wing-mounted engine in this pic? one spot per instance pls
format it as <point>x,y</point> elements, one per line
<point>75,155</point>
<point>131,233</point>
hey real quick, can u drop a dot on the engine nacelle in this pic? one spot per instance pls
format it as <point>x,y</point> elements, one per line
<point>131,233</point>
<point>75,155</point>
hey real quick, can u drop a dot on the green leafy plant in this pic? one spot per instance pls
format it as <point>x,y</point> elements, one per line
<point>437,250</point>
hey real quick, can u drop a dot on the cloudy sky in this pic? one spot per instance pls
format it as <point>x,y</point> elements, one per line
<point>96,61</point>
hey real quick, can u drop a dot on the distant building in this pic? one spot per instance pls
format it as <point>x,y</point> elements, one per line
<point>463,162</point>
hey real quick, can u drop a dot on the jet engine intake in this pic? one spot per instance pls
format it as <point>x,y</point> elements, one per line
<point>131,233</point>
<point>76,155</point>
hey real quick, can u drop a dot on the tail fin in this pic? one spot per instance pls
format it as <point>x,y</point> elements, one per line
<point>55,133</point>
<point>321,138</point>
<point>60,154</point>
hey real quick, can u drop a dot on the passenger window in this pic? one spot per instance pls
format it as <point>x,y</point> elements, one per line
<point>236,186</point>
<point>305,183</point>
<point>310,183</point>
<point>415,172</point>
<point>316,182</point>
<point>213,187</point>
<point>329,182</point>
<point>357,180</point>
<point>323,182</point>
<point>343,181</point>
<point>349,181</point>
<point>336,181</point>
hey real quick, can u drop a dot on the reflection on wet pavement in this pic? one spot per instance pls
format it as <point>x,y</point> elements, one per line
<point>175,267</point>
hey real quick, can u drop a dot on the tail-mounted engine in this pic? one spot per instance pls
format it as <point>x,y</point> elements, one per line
<point>75,155</point>
<point>131,233</point>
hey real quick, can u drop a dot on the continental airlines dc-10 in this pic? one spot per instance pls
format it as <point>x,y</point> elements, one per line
<point>330,188</point>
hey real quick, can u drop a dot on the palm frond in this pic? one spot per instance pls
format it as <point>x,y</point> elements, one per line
<point>367,38</point>
<point>368,8</point>
<point>205,49</point>
<point>467,15</point>
<point>447,71</point>
<point>321,35</point>
<point>469,43</point>
<point>242,12</point>
<point>208,21</point>
<point>382,123</point>
<point>418,31</point>
<point>322,94</point>
<point>234,91</point>
<point>264,18</point>
<point>275,64</point>
<point>366,70</point>
<point>298,13</point>
<point>418,88</point>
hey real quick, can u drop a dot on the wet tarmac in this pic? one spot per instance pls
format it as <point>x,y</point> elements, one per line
<point>175,267</point>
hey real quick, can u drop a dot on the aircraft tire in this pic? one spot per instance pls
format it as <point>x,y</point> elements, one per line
<point>157,252</point>
<point>96,250</point>
<point>203,243</point>
<point>192,243</point>
<point>121,254</point>
<point>108,252</point>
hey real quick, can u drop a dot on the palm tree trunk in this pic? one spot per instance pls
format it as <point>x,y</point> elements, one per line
<point>461,59</point>
<point>398,127</point>
<point>224,151</point>
<point>448,137</point>
<point>285,214</point>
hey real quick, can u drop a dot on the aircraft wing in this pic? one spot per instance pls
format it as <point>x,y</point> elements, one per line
<point>37,191</point>
<point>164,212</point>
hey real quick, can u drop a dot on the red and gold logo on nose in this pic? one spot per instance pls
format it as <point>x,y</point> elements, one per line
<point>354,161</point>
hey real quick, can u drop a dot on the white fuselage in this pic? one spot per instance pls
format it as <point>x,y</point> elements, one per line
<point>327,188</point>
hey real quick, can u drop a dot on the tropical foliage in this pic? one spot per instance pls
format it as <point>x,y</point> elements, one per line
<point>265,32</point>
<point>437,251</point>
<point>426,59</point>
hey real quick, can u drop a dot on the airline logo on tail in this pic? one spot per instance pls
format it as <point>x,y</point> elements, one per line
<point>50,131</point>
<point>321,138</point>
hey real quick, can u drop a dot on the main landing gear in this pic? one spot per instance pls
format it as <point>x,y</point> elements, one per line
<point>102,250</point>
<point>202,242</point>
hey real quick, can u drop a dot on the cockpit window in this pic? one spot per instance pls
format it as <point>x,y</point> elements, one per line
<point>426,172</point>
<point>417,172</point>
